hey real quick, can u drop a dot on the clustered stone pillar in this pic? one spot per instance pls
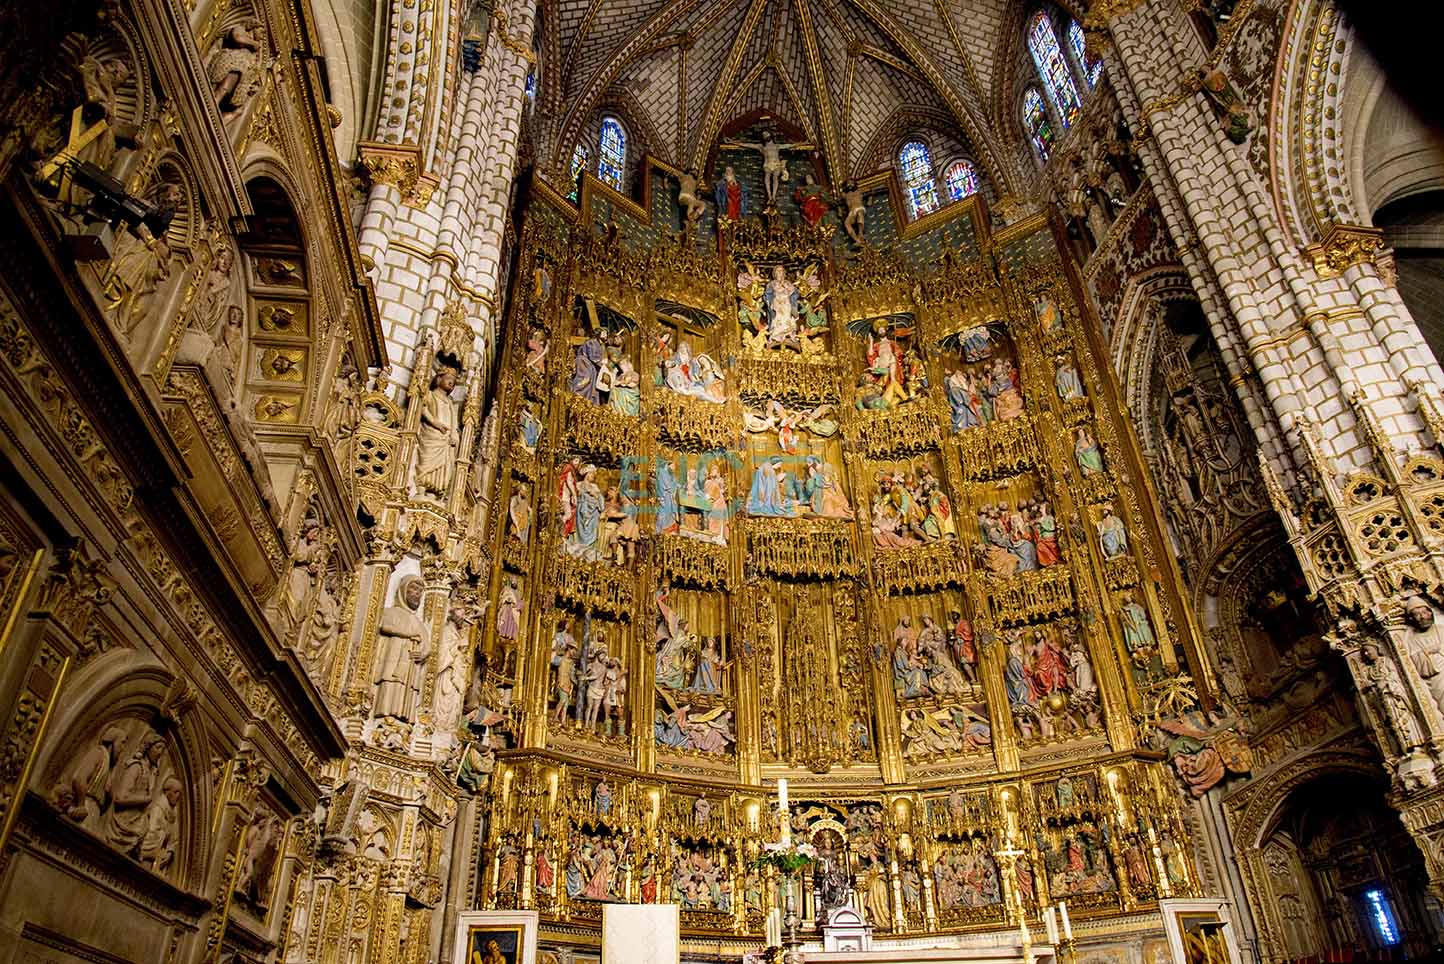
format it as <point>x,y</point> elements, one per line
<point>1335,381</point>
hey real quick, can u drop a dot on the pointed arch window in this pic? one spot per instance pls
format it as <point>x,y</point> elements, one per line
<point>1035,121</point>
<point>961,179</point>
<point>579,161</point>
<point>1091,67</point>
<point>1048,58</point>
<point>612,158</point>
<point>916,166</point>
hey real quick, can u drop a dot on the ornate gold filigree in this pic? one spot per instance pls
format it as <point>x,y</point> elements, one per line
<point>1029,596</point>
<point>1345,246</point>
<point>597,586</point>
<point>692,562</point>
<point>898,431</point>
<point>787,378</point>
<point>918,568</point>
<point>998,449</point>
<point>821,548</point>
<point>694,423</point>
<point>592,428</point>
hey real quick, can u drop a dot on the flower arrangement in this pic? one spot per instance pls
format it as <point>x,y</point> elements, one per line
<point>788,858</point>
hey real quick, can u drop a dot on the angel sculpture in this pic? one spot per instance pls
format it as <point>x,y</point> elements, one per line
<point>1204,748</point>
<point>787,423</point>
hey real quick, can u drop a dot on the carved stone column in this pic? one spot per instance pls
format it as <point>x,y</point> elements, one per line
<point>240,785</point>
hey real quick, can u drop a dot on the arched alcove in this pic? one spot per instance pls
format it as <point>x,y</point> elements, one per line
<point>1341,873</point>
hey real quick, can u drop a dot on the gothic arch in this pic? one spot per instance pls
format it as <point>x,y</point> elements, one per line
<point>129,688</point>
<point>1016,72</point>
<point>934,128</point>
<point>642,136</point>
<point>1133,337</point>
<point>1252,558</point>
<point>285,317</point>
<point>1257,811</point>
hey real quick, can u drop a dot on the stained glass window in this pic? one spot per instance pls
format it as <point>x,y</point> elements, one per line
<point>612,159</point>
<point>961,179</point>
<point>579,161</point>
<point>1048,58</point>
<point>1092,68</point>
<point>916,165</point>
<point>1381,915</point>
<point>1035,119</point>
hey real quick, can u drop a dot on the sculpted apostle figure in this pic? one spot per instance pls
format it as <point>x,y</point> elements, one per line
<point>1391,698</point>
<point>856,211</point>
<point>451,675</point>
<point>157,847</point>
<point>401,654</point>
<point>233,67</point>
<point>84,793</point>
<point>1426,646</point>
<point>437,436</point>
<point>132,788</point>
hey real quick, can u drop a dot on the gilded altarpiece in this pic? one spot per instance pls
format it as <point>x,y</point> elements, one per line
<point>865,523</point>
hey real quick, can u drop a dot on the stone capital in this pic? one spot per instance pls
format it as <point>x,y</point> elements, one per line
<point>400,166</point>
<point>1344,246</point>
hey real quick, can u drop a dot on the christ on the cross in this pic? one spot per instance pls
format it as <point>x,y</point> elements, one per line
<point>774,168</point>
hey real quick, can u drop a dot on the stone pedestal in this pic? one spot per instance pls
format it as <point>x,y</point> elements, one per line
<point>641,932</point>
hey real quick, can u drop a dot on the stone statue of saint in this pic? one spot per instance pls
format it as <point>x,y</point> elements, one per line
<point>233,69</point>
<point>437,436</point>
<point>1425,646</point>
<point>452,674</point>
<point>1391,699</point>
<point>141,263</point>
<point>306,564</point>
<point>157,847</point>
<point>325,628</point>
<point>215,295</point>
<point>401,654</point>
<point>83,794</point>
<point>132,788</point>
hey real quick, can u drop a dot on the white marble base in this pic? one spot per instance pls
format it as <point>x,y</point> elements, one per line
<point>641,934</point>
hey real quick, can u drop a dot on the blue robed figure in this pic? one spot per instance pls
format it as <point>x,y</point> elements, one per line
<point>668,491</point>
<point>731,195</point>
<point>766,496</point>
<point>1015,681</point>
<point>585,365</point>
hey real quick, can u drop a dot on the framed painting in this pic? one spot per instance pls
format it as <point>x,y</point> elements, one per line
<point>1200,931</point>
<point>496,937</point>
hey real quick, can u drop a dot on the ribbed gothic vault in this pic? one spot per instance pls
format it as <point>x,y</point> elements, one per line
<point>851,74</point>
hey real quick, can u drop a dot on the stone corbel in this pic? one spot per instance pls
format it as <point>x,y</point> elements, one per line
<point>514,44</point>
<point>398,165</point>
<point>77,585</point>
<point>1345,246</point>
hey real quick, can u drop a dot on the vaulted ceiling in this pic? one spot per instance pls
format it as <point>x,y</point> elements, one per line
<point>854,75</point>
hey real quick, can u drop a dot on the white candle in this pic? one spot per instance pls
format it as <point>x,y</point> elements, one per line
<point>782,793</point>
<point>1067,924</point>
<point>1050,920</point>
